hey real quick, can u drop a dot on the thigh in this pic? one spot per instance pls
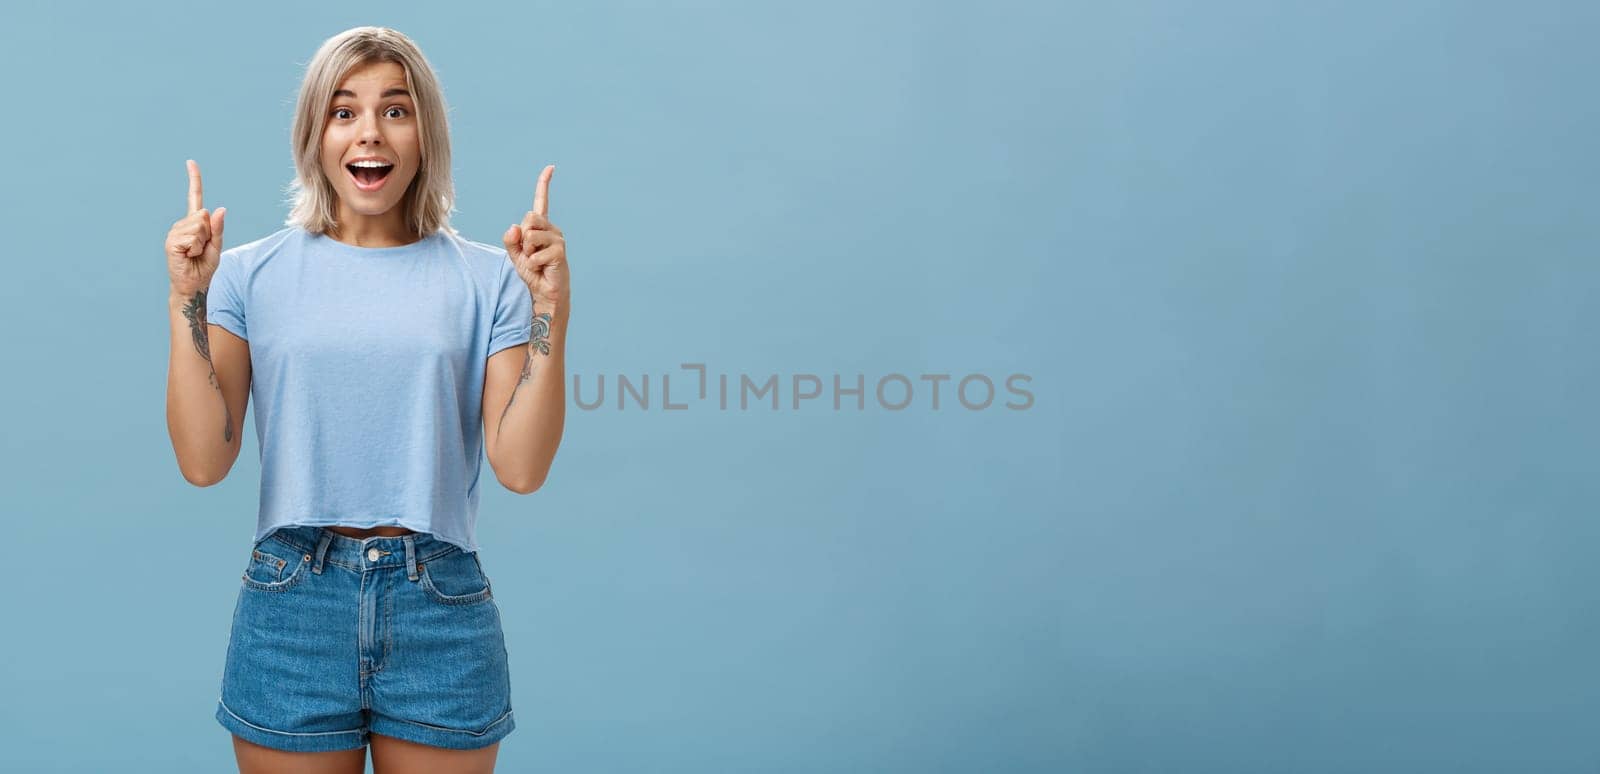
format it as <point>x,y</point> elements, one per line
<point>391,755</point>
<point>256,759</point>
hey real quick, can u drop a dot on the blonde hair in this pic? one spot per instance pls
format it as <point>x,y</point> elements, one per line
<point>431,197</point>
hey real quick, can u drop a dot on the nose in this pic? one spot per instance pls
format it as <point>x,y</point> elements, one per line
<point>369,134</point>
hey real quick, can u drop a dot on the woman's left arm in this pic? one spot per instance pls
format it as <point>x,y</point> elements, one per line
<point>524,392</point>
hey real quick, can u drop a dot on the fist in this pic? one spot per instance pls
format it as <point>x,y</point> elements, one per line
<point>538,251</point>
<point>194,245</point>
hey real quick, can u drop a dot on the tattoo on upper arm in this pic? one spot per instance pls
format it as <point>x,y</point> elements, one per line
<point>195,313</point>
<point>540,341</point>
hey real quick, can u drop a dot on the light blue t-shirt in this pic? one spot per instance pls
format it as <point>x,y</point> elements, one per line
<point>367,368</point>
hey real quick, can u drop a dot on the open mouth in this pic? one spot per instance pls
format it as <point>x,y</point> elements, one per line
<point>369,178</point>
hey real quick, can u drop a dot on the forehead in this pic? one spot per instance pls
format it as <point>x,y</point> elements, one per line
<point>373,77</point>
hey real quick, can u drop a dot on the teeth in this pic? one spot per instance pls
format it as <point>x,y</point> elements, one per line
<point>370,164</point>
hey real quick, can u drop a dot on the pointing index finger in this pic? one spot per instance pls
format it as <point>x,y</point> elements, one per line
<point>195,198</point>
<point>541,194</point>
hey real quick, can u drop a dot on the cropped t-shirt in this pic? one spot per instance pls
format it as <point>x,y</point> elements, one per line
<point>367,368</point>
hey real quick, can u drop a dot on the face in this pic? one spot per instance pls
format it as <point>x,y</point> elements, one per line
<point>371,118</point>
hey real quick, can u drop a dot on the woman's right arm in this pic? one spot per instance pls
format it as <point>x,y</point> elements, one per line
<point>208,368</point>
<point>208,387</point>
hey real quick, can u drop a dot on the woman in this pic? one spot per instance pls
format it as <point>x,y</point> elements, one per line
<point>387,354</point>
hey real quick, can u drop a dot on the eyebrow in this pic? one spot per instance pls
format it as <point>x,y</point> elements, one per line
<point>385,95</point>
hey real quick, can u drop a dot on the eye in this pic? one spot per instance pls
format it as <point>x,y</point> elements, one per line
<point>337,111</point>
<point>397,107</point>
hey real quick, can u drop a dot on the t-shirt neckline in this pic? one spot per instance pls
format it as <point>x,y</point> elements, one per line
<point>323,240</point>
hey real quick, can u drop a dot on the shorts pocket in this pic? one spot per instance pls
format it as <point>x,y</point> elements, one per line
<point>455,578</point>
<point>275,566</point>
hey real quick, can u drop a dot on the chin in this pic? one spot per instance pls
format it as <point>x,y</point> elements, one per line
<point>371,211</point>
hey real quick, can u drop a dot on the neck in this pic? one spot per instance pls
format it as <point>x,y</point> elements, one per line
<point>387,229</point>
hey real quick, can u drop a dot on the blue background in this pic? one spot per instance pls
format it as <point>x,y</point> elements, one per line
<point>1304,290</point>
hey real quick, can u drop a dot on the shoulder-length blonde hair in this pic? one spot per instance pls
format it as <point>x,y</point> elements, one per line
<point>430,199</point>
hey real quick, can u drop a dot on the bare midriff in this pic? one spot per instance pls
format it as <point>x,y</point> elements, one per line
<point>366,532</point>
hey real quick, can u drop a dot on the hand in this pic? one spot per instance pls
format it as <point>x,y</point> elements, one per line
<point>539,252</point>
<point>194,245</point>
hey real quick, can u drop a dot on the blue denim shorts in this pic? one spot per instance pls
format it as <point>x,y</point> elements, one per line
<point>336,637</point>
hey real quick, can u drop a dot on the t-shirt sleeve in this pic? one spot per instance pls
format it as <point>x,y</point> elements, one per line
<point>513,310</point>
<point>225,298</point>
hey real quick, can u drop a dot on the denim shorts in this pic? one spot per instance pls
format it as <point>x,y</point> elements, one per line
<point>336,637</point>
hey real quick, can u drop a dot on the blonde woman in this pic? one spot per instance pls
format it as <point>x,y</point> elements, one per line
<point>387,355</point>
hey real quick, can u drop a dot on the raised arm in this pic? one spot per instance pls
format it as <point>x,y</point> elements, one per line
<point>524,394</point>
<point>208,368</point>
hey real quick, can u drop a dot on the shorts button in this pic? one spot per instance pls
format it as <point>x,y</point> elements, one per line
<point>372,554</point>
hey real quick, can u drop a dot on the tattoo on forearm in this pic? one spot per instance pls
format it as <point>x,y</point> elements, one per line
<point>541,333</point>
<point>195,313</point>
<point>540,341</point>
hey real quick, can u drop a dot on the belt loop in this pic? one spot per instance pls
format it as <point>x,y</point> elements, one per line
<point>411,558</point>
<point>322,550</point>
